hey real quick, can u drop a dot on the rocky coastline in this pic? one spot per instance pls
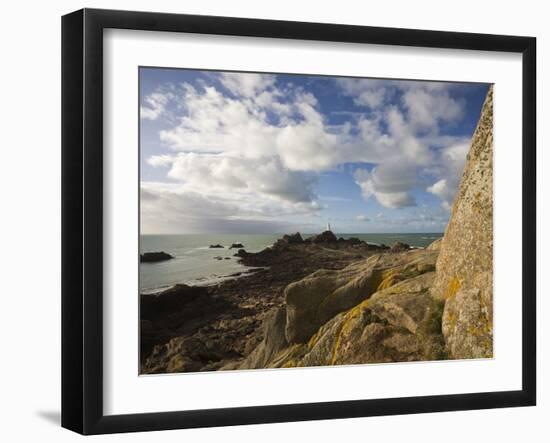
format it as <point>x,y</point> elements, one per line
<point>213,326</point>
<point>330,301</point>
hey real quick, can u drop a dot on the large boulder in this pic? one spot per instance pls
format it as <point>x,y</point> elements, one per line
<point>274,340</point>
<point>465,264</point>
<point>317,298</point>
<point>435,245</point>
<point>240,253</point>
<point>399,323</point>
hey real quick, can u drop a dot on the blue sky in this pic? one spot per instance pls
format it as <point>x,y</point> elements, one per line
<point>273,153</point>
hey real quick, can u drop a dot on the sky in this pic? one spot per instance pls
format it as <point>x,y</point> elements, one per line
<point>249,153</point>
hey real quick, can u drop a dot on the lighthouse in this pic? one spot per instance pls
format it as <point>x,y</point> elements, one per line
<point>328,227</point>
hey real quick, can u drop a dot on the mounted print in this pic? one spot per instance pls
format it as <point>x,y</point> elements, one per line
<point>271,221</point>
<point>298,220</point>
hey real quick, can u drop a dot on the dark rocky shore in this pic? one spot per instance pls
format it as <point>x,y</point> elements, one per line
<point>220,324</point>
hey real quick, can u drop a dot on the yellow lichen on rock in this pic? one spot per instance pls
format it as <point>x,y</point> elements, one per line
<point>389,278</point>
<point>317,298</point>
<point>345,327</point>
<point>452,288</point>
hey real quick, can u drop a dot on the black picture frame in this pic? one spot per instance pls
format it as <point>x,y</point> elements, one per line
<point>82,219</point>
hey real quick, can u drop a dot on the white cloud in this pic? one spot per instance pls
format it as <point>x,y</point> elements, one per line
<point>427,107</point>
<point>175,208</point>
<point>454,157</point>
<point>264,142</point>
<point>246,84</point>
<point>371,93</point>
<point>442,189</point>
<point>413,128</point>
<point>155,105</point>
<point>160,160</point>
<point>426,103</point>
<point>362,218</point>
<point>389,183</point>
<point>413,149</point>
<point>292,128</point>
<point>450,166</point>
<point>224,173</point>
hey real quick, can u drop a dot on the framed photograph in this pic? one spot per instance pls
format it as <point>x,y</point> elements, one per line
<point>269,221</point>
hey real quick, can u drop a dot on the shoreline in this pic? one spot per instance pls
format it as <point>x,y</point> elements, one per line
<point>248,270</point>
<point>208,282</point>
<point>221,324</point>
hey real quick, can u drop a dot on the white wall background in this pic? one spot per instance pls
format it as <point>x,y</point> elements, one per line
<point>30,218</point>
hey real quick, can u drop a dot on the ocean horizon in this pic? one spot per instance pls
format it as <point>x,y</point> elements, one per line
<point>195,263</point>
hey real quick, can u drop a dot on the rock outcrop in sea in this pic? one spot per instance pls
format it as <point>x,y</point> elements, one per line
<point>152,257</point>
<point>324,237</point>
<point>328,301</point>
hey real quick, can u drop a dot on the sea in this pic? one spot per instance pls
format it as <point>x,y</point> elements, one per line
<point>195,264</point>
